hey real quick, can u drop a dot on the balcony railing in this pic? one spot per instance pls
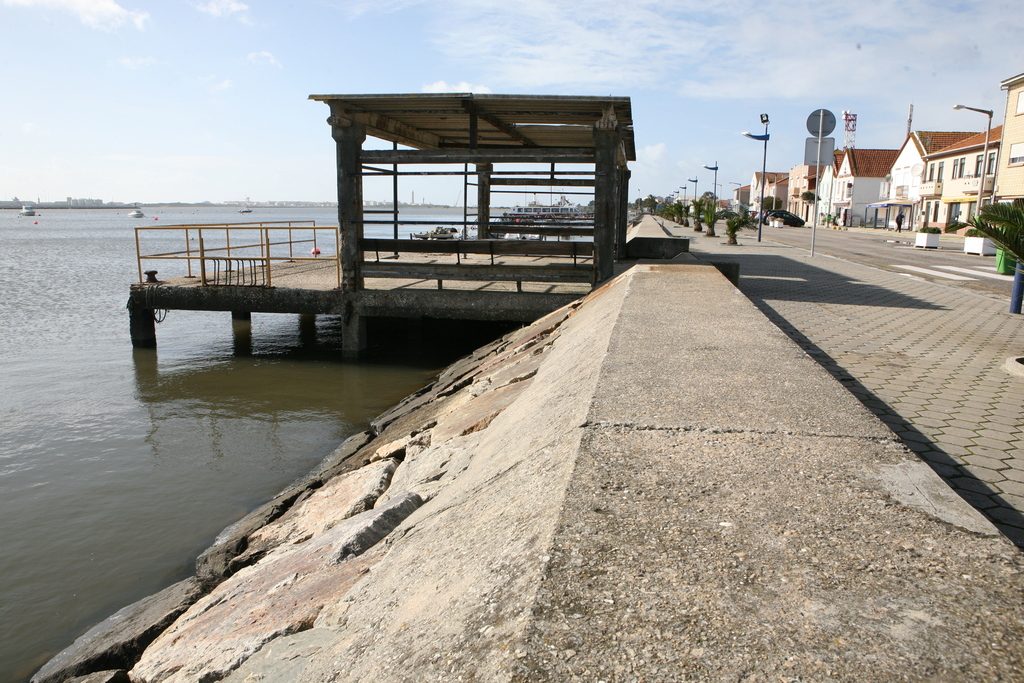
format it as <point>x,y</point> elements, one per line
<point>931,188</point>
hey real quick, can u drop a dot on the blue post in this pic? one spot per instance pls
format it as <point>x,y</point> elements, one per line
<point>1018,289</point>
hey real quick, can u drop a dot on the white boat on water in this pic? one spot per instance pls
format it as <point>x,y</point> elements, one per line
<point>136,214</point>
<point>27,210</point>
<point>563,210</point>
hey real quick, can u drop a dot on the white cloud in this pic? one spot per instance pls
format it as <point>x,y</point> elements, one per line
<point>30,129</point>
<point>133,63</point>
<point>222,8</point>
<point>102,14</point>
<point>462,86</point>
<point>264,58</point>
<point>213,85</point>
<point>716,49</point>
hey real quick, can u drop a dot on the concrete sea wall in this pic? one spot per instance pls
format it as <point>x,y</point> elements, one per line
<point>651,484</point>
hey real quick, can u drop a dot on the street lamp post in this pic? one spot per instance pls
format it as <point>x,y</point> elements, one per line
<point>984,154</point>
<point>714,183</point>
<point>764,164</point>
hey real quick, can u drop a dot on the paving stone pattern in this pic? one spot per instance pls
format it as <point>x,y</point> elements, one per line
<point>926,358</point>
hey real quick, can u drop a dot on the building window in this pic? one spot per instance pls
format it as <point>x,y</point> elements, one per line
<point>1020,102</point>
<point>991,163</point>
<point>941,164</point>
<point>935,218</point>
<point>977,166</point>
<point>954,213</point>
<point>1017,153</point>
<point>931,172</point>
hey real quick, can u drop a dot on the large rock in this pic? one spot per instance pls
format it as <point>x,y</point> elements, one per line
<point>115,676</point>
<point>118,641</point>
<point>282,594</point>
<point>344,496</point>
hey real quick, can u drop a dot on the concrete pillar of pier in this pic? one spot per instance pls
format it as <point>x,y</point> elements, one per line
<point>307,329</point>
<point>621,222</point>
<point>353,335</point>
<point>483,200</point>
<point>349,136</point>
<point>607,140</point>
<point>142,324</point>
<point>241,315</point>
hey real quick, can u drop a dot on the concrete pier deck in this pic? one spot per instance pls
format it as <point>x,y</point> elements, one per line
<point>653,484</point>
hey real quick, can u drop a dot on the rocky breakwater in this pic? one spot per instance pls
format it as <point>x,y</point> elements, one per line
<point>651,484</point>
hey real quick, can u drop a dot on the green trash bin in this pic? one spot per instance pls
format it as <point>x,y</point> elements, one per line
<point>1005,264</point>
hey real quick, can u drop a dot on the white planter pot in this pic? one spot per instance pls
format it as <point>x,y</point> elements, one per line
<point>926,240</point>
<point>981,246</point>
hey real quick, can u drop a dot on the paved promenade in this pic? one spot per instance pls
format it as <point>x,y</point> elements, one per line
<point>926,358</point>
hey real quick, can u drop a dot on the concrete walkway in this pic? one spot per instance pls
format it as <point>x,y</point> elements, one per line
<point>927,359</point>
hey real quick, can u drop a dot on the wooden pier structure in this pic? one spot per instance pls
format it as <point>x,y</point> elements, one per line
<point>562,145</point>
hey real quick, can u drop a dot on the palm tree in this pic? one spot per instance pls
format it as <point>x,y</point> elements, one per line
<point>734,224</point>
<point>711,216</point>
<point>1001,223</point>
<point>697,207</point>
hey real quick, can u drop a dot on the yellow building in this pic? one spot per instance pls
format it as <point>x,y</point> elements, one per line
<point>1010,176</point>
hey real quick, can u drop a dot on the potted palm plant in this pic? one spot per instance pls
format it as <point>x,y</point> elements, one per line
<point>734,224</point>
<point>697,211</point>
<point>711,216</point>
<point>927,238</point>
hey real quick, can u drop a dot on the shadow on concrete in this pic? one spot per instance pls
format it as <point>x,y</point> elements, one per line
<point>977,493</point>
<point>785,278</point>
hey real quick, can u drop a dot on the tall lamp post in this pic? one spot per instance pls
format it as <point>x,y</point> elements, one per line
<point>714,183</point>
<point>984,154</point>
<point>764,163</point>
<point>694,181</point>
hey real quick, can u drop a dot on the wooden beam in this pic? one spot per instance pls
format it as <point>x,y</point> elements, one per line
<point>485,247</point>
<point>545,182</point>
<point>512,155</point>
<point>386,128</point>
<point>422,271</point>
<point>508,129</point>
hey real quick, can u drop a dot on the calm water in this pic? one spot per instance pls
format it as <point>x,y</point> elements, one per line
<point>118,466</point>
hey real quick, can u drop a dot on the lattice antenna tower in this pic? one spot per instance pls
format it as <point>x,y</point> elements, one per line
<point>850,119</point>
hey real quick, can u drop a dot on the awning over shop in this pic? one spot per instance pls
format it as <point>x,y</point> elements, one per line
<point>958,200</point>
<point>891,202</point>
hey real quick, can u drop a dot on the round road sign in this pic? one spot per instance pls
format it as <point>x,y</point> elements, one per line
<point>821,122</point>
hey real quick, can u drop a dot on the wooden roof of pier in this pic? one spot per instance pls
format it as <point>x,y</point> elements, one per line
<point>443,121</point>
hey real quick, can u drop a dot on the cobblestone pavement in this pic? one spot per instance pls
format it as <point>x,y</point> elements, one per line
<point>926,358</point>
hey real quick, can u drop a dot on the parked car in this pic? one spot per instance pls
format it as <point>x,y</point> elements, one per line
<point>787,218</point>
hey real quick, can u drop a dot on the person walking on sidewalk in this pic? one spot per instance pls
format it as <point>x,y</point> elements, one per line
<point>899,222</point>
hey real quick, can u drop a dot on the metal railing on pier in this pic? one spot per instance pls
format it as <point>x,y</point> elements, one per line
<point>236,254</point>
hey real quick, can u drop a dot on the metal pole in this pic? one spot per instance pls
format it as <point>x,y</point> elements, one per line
<point>764,180</point>
<point>817,165</point>
<point>1017,294</point>
<point>984,167</point>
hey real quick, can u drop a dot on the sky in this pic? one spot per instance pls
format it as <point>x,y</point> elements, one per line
<point>145,101</point>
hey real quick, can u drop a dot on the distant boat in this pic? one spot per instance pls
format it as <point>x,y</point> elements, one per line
<point>245,210</point>
<point>28,210</point>
<point>136,214</point>
<point>438,233</point>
